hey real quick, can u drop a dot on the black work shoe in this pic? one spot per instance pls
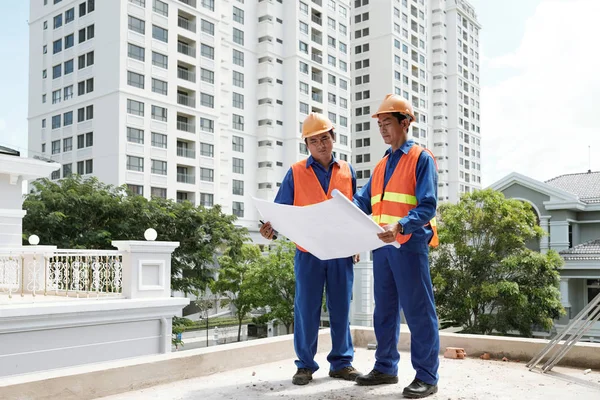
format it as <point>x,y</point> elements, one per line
<point>302,376</point>
<point>347,373</point>
<point>376,378</point>
<point>419,389</point>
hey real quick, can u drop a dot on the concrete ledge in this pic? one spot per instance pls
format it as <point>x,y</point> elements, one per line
<point>104,379</point>
<point>584,355</point>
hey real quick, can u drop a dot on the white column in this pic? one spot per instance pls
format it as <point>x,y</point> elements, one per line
<point>564,296</point>
<point>545,240</point>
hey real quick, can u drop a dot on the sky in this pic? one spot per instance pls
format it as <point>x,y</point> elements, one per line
<point>539,79</point>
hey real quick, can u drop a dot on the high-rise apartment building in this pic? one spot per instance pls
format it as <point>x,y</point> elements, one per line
<point>428,52</point>
<point>197,100</point>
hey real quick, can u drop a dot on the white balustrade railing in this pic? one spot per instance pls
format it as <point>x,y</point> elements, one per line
<point>71,273</point>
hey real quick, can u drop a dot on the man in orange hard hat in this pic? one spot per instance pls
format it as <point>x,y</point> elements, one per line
<point>307,182</point>
<point>401,196</point>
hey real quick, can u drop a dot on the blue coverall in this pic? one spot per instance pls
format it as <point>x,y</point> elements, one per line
<point>312,274</point>
<point>401,277</point>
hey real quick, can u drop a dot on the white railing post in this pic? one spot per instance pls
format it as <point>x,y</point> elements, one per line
<point>146,268</point>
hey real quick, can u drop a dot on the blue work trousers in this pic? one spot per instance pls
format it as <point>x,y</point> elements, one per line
<point>312,275</point>
<point>402,282</point>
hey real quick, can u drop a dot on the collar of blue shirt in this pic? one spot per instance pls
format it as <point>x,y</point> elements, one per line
<point>404,148</point>
<point>310,161</point>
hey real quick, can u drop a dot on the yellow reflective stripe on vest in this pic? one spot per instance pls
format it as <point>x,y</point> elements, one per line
<point>433,222</point>
<point>385,219</point>
<point>395,197</point>
<point>375,199</point>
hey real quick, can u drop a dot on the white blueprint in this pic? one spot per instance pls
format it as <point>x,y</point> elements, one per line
<point>332,229</point>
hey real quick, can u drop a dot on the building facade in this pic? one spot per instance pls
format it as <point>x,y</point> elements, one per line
<point>191,100</point>
<point>568,210</point>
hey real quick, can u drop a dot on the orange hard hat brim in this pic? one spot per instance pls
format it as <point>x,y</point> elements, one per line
<point>316,133</point>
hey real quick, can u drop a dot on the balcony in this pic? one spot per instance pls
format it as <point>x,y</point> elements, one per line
<point>191,3</point>
<point>184,151</point>
<point>186,49</point>
<point>186,74</point>
<point>186,178</point>
<point>318,2</point>
<point>318,97</point>
<point>186,100</point>
<point>186,24</point>
<point>316,57</point>
<point>316,19</point>
<point>186,126</point>
<point>317,77</point>
<point>317,38</point>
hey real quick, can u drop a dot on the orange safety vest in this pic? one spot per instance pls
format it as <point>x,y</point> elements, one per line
<point>399,195</point>
<point>308,189</point>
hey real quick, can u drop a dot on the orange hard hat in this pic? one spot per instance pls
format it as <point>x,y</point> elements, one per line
<point>315,124</point>
<point>394,103</point>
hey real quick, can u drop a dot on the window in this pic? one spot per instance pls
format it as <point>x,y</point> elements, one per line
<point>135,163</point>
<point>238,166</point>
<point>237,143</point>
<point>57,46</point>
<point>160,87</point>
<point>69,41</point>
<point>304,8</point>
<point>207,27</point>
<point>303,67</point>
<point>68,144</point>
<point>207,150</point>
<point>141,3</point>
<point>55,174</point>
<point>238,58</point>
<point>159,113</point>
<point>85,60</point>
<point>161,8</point>
<point>331,41</point>
<point>207,51</point>
<point>238,209</point>
<point>238,36</point>
<point>134,24</point>
<point>343,29</point>
<point>69,15</point>
<point>45,49</point>
<point>302,148</point>
<point>160,60</point>
<point>56,121</point>
<point>344,140</point>
<point>343,84</point>
<point>209,4</point>
<point>238,100</point>
<point>136,189</point>
<point>237,187</point>
<point>206,199</point>
<point>68,118</point>
<point>304,108</point>
<point>67,170</point>
<point>238,122</point>
<point>207,100</point>
<point>343,121</point>
<point>331,60</point>
<point>89,139</point>
<point>238,15</point>
<point>135,80</point>
<point>161,193</point>
<point>331,23</point>
<point>207,125</point>
<point>303,47</point>
<point>207,174</point>
<point>304,87</point>
<point>159,33</point>
<point>158,167</point>
<point>56,96</point>
<point>135,107</point>
<point>58,21</point>
<point>56,147</point>
<point>135,135</point>
<point>136,52</point>
<point>303,27</point>
<point>343,48</point>
<point>158,140</point>
<point>238,79</point>
<point>80,170</point>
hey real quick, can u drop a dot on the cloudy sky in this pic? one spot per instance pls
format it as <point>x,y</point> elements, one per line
<point>540,81</point>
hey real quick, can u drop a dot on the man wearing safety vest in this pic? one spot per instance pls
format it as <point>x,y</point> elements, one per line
<point>401,196</point>
<point>307,182</point>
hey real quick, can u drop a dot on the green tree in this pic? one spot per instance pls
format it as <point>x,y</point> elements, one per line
<point>277,284</point>
<point>237,280</point>
<point>485,278</point>
<point>77,213</point>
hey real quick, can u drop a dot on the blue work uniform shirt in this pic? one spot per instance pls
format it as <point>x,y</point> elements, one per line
<point>425,192</point>
<point>285,195</point>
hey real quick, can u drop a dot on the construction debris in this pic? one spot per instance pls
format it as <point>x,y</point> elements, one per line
<point>455,352</point>
<point>485,356</point>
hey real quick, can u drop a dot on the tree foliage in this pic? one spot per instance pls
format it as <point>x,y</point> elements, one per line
<point>485,278</point>
<point>77,213</point>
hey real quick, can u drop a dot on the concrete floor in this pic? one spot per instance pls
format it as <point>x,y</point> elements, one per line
<point>460,380</point>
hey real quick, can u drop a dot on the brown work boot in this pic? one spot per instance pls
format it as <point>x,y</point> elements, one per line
<point>376,378</point>
<point>302,376</point>
<point>347,373</point>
